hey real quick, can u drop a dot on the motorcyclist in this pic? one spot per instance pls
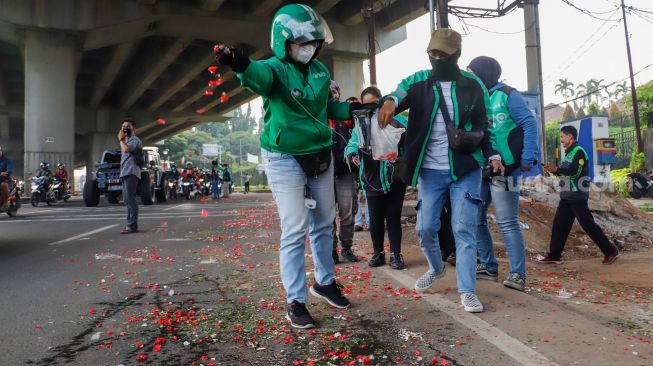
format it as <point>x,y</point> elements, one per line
<point>62,175</point>
<point>189,171</point>
<point>6,168</point>
<point>174,172</point>
<point>44,171</point>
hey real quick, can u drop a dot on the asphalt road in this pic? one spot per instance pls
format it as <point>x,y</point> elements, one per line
<point>47,254</point>
<point>199,285</point>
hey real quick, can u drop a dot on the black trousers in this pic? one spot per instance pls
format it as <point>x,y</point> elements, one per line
<point>567,211</point>
<point>246,187</point>
<point>386,209</point>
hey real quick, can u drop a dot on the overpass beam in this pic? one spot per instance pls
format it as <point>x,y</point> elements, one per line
<point>49,98</point>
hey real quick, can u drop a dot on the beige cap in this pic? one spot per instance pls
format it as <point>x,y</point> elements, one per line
<point>445,40</point>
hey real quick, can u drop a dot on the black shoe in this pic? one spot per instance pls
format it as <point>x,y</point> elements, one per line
<point>331,294</point>
<point>378,259</point>
<point>397,261</point>
<point>349,255</point>
<point>129,230</point>
<point>358,228</point>
<point>336,258</point>
<point>452,260</point>
<point>299,316</point>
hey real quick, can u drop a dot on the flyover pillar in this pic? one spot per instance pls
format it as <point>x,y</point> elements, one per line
<point>50,63</point>
<point>348,73</point>
<point>103,138</point>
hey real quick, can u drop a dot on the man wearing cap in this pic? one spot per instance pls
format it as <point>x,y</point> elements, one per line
<point>447,143</point>
<point>6,168</point>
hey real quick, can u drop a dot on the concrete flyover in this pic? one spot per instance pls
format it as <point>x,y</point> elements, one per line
<point>71,69</point>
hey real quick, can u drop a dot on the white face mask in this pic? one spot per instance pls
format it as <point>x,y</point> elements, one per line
<point>302,53</point>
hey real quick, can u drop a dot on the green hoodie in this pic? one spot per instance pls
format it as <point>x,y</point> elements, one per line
<point>297,103</point>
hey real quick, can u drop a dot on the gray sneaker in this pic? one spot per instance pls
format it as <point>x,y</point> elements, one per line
<point>427,279</point>
<point>515,281</point>
<point>471,303</point>
<point>482,273</point>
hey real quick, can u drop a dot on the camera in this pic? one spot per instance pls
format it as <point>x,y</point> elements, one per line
<point>126,130</point>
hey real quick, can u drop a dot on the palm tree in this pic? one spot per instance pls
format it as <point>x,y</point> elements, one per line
<point>565,88</point>
<point>594,86</point>
<point>582,91</point>
<point>621,90</point>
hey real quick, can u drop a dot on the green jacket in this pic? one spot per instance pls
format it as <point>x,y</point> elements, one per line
<point>377,177</point>
<point>297,103</point>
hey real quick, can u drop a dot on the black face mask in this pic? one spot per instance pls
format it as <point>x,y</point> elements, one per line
<point>446,70</point>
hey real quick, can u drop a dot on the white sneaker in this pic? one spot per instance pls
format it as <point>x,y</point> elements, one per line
<point>471,302</point>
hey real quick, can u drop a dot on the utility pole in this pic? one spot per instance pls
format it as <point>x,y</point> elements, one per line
<point>240,162</point>
<point>633,91</point>
<point>534,62</point>
<point>432,15</point>
<point>442,8</point>
<point>371,40</point>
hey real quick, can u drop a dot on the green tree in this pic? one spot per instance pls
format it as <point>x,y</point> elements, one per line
<point>594,86</point>
<point>580,114</point>
<point>644,100</point>
<point>582,94</point>
<point>593,109</point>
<point>568,114</point>
<point>565,88</point>
<point>621,90</point>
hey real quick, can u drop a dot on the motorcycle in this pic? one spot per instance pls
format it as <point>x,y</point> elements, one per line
<point>15,191</point>
<point>41,191</point>
<point>639,186</point>
<point>188,189</point>
<point>173,188</point>
<point>205,187</point>
<point>60,190</point>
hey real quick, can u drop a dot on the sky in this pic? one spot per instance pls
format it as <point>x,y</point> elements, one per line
<point>575,46</point>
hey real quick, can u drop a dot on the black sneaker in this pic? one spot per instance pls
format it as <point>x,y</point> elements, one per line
<point>452,259</point>
<point>349,255</point>
<point>299,316</point>
<point>482,273</point>
<point>397,261</point>
<point>336,259</point>
<point>331,294</point>
<point>378,259</point>
<point>358,228</point>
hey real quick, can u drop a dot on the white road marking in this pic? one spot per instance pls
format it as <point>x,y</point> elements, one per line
<point>509,345</point>
<point>175,239</point>
<point>83,235</point>
<point>173,207</point>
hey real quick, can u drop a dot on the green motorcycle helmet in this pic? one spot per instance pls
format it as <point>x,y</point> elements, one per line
<point>297,23</point>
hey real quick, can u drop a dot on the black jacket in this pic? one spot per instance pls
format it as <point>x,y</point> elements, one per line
<point>417,92</point>
<point>574,182</point>
<point>341,136</point>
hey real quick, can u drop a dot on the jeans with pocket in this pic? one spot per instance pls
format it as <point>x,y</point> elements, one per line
<point>434,188</point>
<point>288,183</point>
<point>503,194</point>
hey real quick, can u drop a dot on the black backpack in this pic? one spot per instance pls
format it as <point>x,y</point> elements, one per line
<point>139,159</point>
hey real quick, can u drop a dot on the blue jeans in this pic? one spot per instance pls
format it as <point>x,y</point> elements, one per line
<point>359,216</point>
<point>465,205</point>
<point>214,188</point>
<point>504,195</point>
<point>129,187</point>
<point>287,182</point>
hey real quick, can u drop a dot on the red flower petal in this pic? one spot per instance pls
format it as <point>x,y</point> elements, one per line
<point>212,69</point>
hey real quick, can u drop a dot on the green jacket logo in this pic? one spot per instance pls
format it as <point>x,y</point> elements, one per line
<point>469,108</point>
<point>318,75</point>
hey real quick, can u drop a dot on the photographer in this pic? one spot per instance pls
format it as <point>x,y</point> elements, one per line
<point>130,171</point>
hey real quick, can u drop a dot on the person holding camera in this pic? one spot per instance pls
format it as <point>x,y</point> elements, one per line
<point>130,171</point>
<point>447,142</point>
<point>296,147</point>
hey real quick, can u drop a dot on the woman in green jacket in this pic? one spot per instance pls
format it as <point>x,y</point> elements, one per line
<point>296,148</point>
<point>384,191</point>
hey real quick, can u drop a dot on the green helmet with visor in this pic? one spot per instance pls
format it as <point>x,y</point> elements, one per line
<point>298,23</point>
